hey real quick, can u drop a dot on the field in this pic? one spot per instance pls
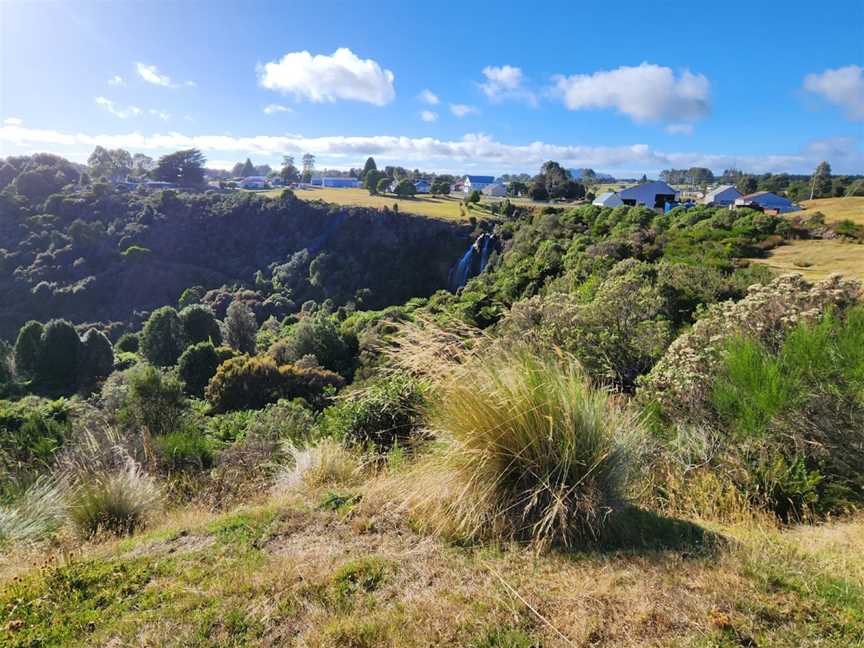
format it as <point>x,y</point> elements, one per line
<point>816,259</point>
<point>837,209</point>
<point>435,206</point>
<point>289,573</point>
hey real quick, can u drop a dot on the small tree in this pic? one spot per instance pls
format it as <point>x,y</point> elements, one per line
<point>28,347</point>
<point>820,183</point>
<point>97,358</point>
<point>197,365</point>
<point>129,343</point>
<point>747,185</point>
<point>405,188</point>
<point>241,328</point>
<point>248,169</point>
<point>200,325</point>
<point>59,355</point>
<point>369,166</point>
<point>371,179</point>
<point>383,185</point>
<point>473,198</point>
<point>162,338</point>
<point>183,167</point>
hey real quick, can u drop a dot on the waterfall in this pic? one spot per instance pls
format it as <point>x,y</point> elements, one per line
<point>471,263</point>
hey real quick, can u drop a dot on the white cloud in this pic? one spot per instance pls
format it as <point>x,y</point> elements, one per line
<point>13,121</point>
<point>116,80</point>
<point>272,109</point>
<point>322,78</point>
<point>680,129</point>
<point>428,116</point>
<point>462,110</point>
<point>150,73</point>
<point>843,87</point>
<point>506,82</point>
<point>117,110</point>
<point>645,93</point>
<point>472,151</point>
<point>429,97</point>
<point>161,114</point>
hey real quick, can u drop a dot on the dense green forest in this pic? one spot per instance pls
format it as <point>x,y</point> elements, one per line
<point>599,374</point>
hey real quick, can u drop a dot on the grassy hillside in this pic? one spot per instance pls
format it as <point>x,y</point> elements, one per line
<point>837,209</point>
<point>286,572</point>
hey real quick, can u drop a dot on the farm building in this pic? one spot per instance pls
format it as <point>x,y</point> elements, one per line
<point>336,183</point>
<point>496,190</point>
<point>422,187</point>
<point>767,201</point>
<point>476,182</point>
<point>651,194</point>
<point>255,182</point>
<point>722,196</point>
<point>608,199</point>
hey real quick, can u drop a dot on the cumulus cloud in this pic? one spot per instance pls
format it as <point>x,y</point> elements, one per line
<point>428,116</point>
<point>322,78</point>
<point>506,82</point>
<point>116,80</point>
<point>429,97</point>
<point>123,112</point>
<point>645,93</point>
<point>161,114</point>
<point>272,109</point>
<point>843,87</point>
<point>462,110</point>
<point>13,121</point>
<point>473,150</point>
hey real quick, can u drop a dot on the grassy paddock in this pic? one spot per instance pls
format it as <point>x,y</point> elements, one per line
<point>816,259</point>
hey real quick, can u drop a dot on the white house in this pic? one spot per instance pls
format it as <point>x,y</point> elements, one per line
<point>608,199</point>
<point>651,194</point>
<point>476,182</point>
<point>722,196</point>
<point>767,201</point>
<point>496,190</point>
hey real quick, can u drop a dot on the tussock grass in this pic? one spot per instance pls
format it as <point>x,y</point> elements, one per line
<point>35,515</point>
<point>328,463</point>
<point>527,451</point>
<point>117,503</point>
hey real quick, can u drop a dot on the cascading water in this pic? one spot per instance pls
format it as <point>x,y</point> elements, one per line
<point>472,262</point>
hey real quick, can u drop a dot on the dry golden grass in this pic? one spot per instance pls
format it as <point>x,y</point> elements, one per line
<point>838,209</point>
<point>816,259</point>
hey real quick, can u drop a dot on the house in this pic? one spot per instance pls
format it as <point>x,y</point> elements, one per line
<point>336,183</point>
<point>476,183</point>
<point>255,182</point>
<point>422,187</point>
<point>495,190</point>
<point>722,196</point>
<point>767,202</point>
<point>650,194</point>
<point>608,199</point>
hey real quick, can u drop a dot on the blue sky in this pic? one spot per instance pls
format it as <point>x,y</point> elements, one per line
<point>626,89</point>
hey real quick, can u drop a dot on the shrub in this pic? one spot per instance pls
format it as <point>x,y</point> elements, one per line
<point>97,357</point>
<point>327,463</point>
<point>241,329</point>
<point>154,401</point>
<point>405,188</point>
<point>129,343</point>
<point>117,503</point>
<point>680,383</point>
<point>59,356</point>
<point>529,452</point>
<point>381,415</point>
<point>252,383</point>
<point>28,347</point>
<point>317,335</point>
<point>184,450</point>
<point>200,325</point>
<point>162,338</point>
<point>197,365</point>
